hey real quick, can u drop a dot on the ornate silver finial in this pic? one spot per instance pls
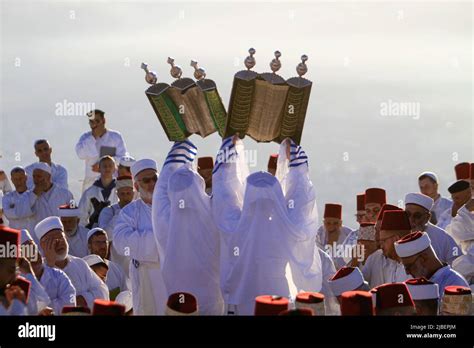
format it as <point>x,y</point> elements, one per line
<point>175,71</point>
<point>275,64</point>
<point>250,60</point>
<point>301,68</point>
<point>150,76</point>
<point>199,73</point>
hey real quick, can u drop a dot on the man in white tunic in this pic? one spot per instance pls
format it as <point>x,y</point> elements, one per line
<point>183,226</point>
<point>460,193</point>
<point>11,209</point>
<point>76,234</point>
<point>100,195</point>
<point>89,287</point>
<point>133,237</point>
<point>268,227</point>
<point>428,183</point>
<point>418,207</point>
<point>98,142</point>
<point>43,151</point>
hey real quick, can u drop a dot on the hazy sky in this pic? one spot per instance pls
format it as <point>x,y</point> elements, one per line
<point>363,57</point>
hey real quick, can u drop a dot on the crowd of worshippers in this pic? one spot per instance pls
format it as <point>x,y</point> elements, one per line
<point>207,237</point>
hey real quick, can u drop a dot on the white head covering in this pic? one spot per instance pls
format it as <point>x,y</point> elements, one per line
<point>430,175</point>
<point>142,165</point>
<point>94,259</point>
<point>125,298</point>
<point>42,166</point>
<point>94,230</point>
<point>127,161</point>
<point>419,199</point>
<point>350,282</point>
<point>413,246</point>
<point>48,224</point>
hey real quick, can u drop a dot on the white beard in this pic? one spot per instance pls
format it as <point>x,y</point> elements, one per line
<point>62,257</point>
<point>144,194</point>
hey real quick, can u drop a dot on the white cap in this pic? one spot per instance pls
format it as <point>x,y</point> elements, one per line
<point>25,236</point>
<point>69,210</point>
<point>127,161</point>
<point>125,298</point>
<point>94,259</point>
<point>48,224</point>
<point>94,230</point>
<point>142,165</point>
<point>42,166</point>
<point>419,199</point>
<point>412,244</point>
<point>422,290</point>
<point>348,282</point>
<point>430,175</point>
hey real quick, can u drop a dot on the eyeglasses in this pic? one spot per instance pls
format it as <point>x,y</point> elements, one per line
<point>149,179</point>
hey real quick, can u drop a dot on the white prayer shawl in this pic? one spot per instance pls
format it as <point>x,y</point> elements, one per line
<point>47,204</point>
<point>59,288</point>
<point>88,149</point>
<point>78,242</point>
<point>19,215</point>
<point>16,308</point>
<point>116,278</point>
<point>329,269</point>
<point>183,225</point>
<point>271,235</point>
<point>440,206</point>
<point>133,236</point>
<point>443,244</point>
<point>107,220</point>
<point>322,242</point>
<point>86,282</point>
<point>379,270</point>
<point>38,299</point>
<point>58,175</point>
<point>86,208</point>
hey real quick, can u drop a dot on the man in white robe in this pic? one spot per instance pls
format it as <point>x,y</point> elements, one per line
<point>17,218</point>
<point>460,193</point>
<point>183,225</point>
<point>268,227</point>
<point>76,235</point>
<point>98,142</point>
<point>100,195</point>
<point>133,237</point>
<point>43,151</point>
<point>428,183</point>
<point>88,285</point>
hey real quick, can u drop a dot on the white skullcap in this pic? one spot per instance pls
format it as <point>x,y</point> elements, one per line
<point>419,199</point>
<point>42,166</point>
<point>143,164</point>
<point>422,291</point>
<point>127,161</point>
<point>349,282</point>
<point>430,175</point>
<point>94,230</point>
<point>69,210</point>
<point>412,244</point>
<point>94,259</point>
<point>125,298</point>
<point>48,224</point>
<point>25,236</point>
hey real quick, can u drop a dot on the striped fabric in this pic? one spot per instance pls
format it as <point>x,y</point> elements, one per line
<point>181,152</point>
<point>226,154</point>
<point>297,155</point>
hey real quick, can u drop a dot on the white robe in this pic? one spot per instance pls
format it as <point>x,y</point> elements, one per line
<point>269,227</point>
<point>58,175</point>
<point>78,242</point>
<point>19,215</point>
<point>86,282</point>
<point>465,265</point>
<point>86,208</point>
<point>88,149</point>
<point>446,276</point>
<point>116,278</point>
<point>443,244</point>
<point>321,240</point>
<point>440,206</point>
<point>183,225</point>
<point>38,299</point>
<point>329,269</point>
<point>107,220</point>
<point>16,308</point>
<point>379,270</point>
<point>133,237</point>
<point>445,218</point>
<point>59,288</point>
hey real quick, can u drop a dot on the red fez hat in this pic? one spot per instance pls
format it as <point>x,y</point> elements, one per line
<point>105,307</point>
<point>270,305</point>
<point>124,177</point>
<point>356,303</point>
<point>333,211</point>
<point>9,237</point>
<point>297,312</point>
<point>75,309</point>
<point>361,202</point>
<point>342,272</point>
<point>310,297</point>
<point>272,161</point>
<point>205,163</point>
<point>457,290</point>
<point>375,195</point>
<point>395,220</point>
<point>386,207</point>
<point>182,302</point>
<point>24,285</point>
<point>392,295</point>
<point>462,171</point>
<point>472,171</point>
